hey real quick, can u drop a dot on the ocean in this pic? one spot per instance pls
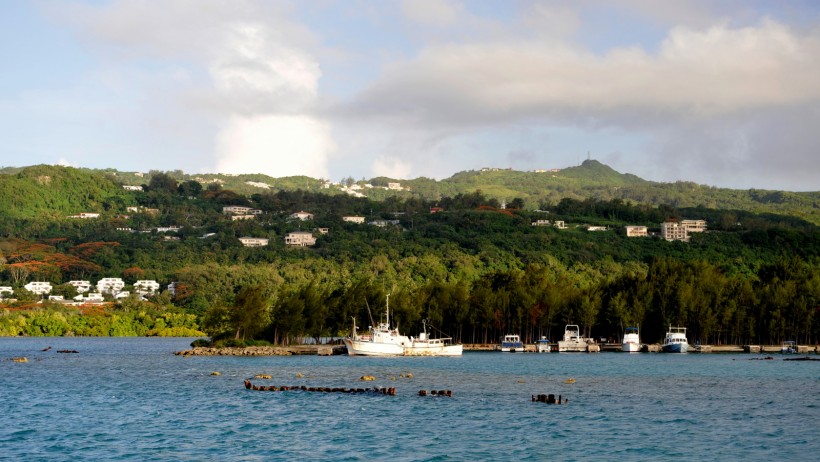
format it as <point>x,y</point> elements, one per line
<point>133,399</point>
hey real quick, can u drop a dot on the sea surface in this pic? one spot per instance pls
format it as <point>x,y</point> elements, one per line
<point>133,399</point>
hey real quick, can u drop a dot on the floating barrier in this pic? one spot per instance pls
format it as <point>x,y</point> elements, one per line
<point>67,351</point>
<point>367,378</point>
<point>548,399</point>
<point>262,376</point>
<point>391,391</point>
<point>447,393</point>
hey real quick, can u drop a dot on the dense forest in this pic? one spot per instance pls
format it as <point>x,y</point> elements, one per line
<point>475,270</point>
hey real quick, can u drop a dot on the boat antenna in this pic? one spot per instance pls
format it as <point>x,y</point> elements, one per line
<point>369,314</point>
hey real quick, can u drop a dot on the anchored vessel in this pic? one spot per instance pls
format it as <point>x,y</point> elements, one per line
<point>675,341</point>
<point>384,341</point>
<point>572,340</point>
<point>543,345</point>
<point>788,347</point>
<point>512,343</point>
<point>632,340</point>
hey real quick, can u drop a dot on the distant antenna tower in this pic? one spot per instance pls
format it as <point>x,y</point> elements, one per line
<point>588,158</point>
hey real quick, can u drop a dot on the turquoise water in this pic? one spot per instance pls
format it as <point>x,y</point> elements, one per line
<point>132,399</point>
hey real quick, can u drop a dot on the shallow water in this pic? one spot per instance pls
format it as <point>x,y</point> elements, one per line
<point>132,399</point>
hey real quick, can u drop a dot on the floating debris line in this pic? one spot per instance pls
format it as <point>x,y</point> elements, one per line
<point>548,399</point>
<point>391,391</point>
<point>447,393</point>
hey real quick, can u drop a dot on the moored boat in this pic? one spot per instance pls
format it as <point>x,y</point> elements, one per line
<point>788,347</point>
<point>384,341</point>
<point>572,340</point>
<point>632,340</point>
<point>512,343</point>
<point>675,341</point>
<point>542,345</point>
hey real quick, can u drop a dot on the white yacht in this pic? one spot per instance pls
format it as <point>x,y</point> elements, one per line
<point>384,341</point>
<point>632,340</point>
<point>675,341</point>
<point>512,343</point>
<point>572,340</point>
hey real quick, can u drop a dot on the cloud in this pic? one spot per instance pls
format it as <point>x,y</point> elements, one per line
<point>438,13</point>
<point>274,144</point>
<point>242,70</point>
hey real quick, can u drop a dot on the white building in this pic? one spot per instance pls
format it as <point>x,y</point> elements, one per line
<point>242,217</point>
<point>85,215</point>
<point>394,186</point>
<point>596,228</point>
<point>111,286</point>
<point>6,290</point>
<point>694,226</point>
<point>39,287</point>
<point>146,287</point>
<point>91,297</point>
<point>541,223</point>
<point>300,238</point>
<point>384,223</point>
<point>302,215</point>
<point>129,187</point>
<point>235,210</point>
<point>353,219</point>
<point>168,229</point>
<point>56,298</point>
<point>172,288</point>
<point>560,224</point>
<point>674,231</point>
<point>81,286</point>
<point>636,231</point>
<point>254,241</point>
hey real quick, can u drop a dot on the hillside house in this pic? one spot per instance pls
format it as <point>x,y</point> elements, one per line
<point>111,286</point>
<point>81,286</point>
<point>694,226</point>
<point>636,231</point>
<point>540,223</point>
<point>674,231</point>
<point>254,241</point>
<point>6,290</point>
<point>300,239</point>
<point>38,287</point>
<point>596,228</point>
<point>560,224</point>
<point>384,223</point>
<point>129,187</point>
<point>85,215</point>
<point>146,287</point>
<point>242,217</point>
<point>301,215</point>
<point>353,219</point>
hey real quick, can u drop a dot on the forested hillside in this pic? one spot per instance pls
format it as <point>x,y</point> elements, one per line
<point>474,270</point>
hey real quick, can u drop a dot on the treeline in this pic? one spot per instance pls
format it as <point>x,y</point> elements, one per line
<point>779,302</point>
<point>129,319</point>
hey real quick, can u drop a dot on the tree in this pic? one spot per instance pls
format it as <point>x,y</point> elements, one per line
<point>162,182</point>
<point>250,313</point>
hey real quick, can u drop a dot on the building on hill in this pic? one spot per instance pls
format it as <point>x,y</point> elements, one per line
<point>694,226</point>
<point>541,223</point>
<point>111,286</point>
<point>38,287</point>
<point>596,228</point>
<point>560,224</point>
<point>146,287</point>
<point>636,231</point>
<point>254,241</point>
<point>384,223</point>
<point>674,231</point>
<point>300,239</point>
<point>301,215</point>
<point>85,215</point>
<point>81,286</point>
<point>242,217</point>
<point>394,186</point>
<point>6,290</point>
<point>129,187</point>
<point>353,219</point>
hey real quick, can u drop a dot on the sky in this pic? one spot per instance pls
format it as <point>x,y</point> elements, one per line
<point>723,93</point>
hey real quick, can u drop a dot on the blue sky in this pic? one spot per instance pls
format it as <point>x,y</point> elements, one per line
<point>720,93</point>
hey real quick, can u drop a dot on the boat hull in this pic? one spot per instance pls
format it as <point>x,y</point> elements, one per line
<point>369,348</point>
<point>631,347</point>
<point>571,346</point>
<point>675,348</point>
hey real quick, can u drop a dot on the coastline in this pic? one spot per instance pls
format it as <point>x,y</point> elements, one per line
<point>332,350</point>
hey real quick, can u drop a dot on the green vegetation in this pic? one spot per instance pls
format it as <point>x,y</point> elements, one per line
<point>475,271</point>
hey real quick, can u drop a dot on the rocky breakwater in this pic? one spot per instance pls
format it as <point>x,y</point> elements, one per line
<point>322,350</point>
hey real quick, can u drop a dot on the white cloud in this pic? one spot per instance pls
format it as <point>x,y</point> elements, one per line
<point>391,167</point>
<point>275,145</point>
<point>438,13</point>
<point>64,162</point>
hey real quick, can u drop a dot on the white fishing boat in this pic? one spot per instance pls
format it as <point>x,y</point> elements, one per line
<point>573,341</point>
<point>675,341</point>
<point>512,343</point>
<point>542,345</point>
<point>632,340</point>
<point>384,341</point>
<point>788,347</point>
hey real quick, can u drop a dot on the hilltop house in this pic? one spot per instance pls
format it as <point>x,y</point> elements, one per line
<point>636,231</point>
<point>301,215</point>
<point>146,287</point>
<point>38,287</point>
<point>81,286</point>
<point>254,241</point>
<point>111,286</point>
<point>353,219</point>
<point>300,238</point>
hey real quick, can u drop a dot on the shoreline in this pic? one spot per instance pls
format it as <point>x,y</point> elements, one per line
<point>333,350</point>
